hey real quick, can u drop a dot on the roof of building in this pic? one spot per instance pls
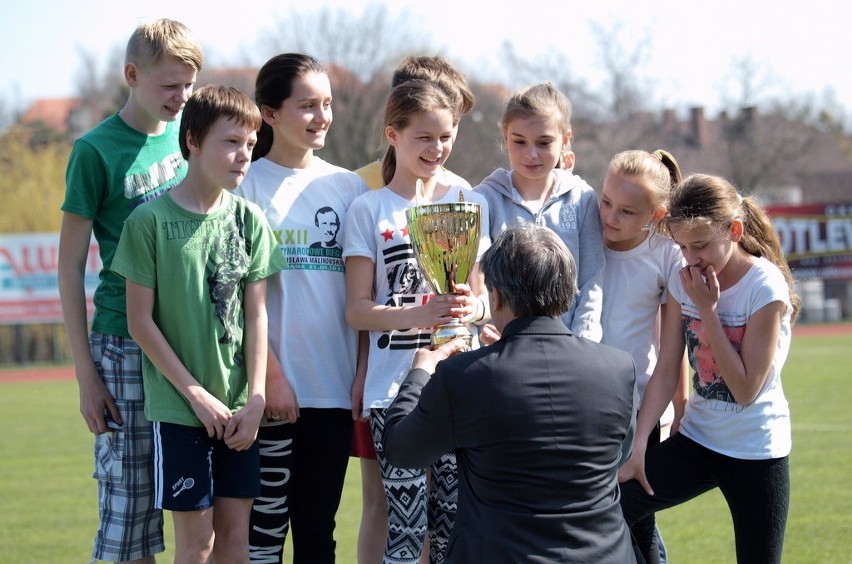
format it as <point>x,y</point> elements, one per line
<point>52,113</point>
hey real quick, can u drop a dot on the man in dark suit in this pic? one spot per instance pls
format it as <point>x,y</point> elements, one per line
<point>537,419</point>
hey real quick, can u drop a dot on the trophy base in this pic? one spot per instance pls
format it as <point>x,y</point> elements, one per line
<point>449,331</point>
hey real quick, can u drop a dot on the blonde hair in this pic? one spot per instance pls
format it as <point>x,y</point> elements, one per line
<point>537,100</point>
<point>659,169</point>
<point>702,199</point>
<point>150,42</point>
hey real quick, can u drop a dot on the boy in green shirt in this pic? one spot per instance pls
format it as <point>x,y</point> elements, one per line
<point>129,158</point>
<point>195,261</point>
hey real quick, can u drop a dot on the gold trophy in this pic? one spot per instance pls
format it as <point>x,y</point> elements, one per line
<point>445,238</point>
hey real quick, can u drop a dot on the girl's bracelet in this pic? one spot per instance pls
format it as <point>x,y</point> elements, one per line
<point>480,310</point>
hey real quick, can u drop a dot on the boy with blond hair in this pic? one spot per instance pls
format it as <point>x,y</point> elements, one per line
<point>201,253</point>
<point>129,158</point>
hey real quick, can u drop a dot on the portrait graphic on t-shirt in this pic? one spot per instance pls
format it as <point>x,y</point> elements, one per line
<point>328,223</point>
<point>406,285</point>
<point>324,253</point>
<point>707,380</point>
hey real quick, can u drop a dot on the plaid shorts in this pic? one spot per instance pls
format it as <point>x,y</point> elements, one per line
<point>130,527</point>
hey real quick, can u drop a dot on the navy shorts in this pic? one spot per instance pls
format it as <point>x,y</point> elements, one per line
<point>187,464</point>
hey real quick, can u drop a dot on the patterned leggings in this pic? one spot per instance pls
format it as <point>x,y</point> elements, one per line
<point>302,468</point>
<point>409,512</point>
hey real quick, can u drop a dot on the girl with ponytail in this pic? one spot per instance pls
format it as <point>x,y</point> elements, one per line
<point>388,296</point>
<point>731,308</point>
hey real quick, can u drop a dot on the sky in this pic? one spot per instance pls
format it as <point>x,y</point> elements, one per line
<point>692,44</point>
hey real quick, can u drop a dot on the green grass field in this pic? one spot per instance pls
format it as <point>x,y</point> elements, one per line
<point>48,499</point>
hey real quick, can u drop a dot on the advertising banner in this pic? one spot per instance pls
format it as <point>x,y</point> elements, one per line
<point>816,239</point>
<point>29,284</point>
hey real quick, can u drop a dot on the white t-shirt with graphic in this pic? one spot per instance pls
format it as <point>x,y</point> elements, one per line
<point>306,301</point>
<point>761,429</point>
<point>377,228</point>
<point>634,287</point>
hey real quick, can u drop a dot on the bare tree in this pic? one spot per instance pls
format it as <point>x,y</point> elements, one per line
<point>617,114</point>
<point>366,44</point>
<point>833,118</point>
<point>478,149</point>
<point>765,147</point>
<point>356,137</point>
<point>553,66</point>
<point>835,121</point>
<point>625,88</point>
<point>6,115</point>
<point>102,90</point>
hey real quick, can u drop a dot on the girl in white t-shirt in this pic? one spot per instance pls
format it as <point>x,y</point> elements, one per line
<point>307,435</point>
<point>732,308</point>
<point>387,295</point>
<point>639,263</point>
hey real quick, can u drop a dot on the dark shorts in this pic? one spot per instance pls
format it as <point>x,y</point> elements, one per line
<point>187,464</point>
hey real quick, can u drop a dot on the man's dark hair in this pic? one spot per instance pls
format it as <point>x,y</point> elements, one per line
<point>532,270</point>
<point>325,210</point>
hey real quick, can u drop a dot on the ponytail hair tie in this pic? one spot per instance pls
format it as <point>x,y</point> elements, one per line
<point>739,197</point>
<point>658,154</point>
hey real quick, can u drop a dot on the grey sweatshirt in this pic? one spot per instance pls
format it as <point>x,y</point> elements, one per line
<point>571,212</point>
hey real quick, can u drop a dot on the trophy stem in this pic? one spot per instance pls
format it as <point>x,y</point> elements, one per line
<point>449,331</point>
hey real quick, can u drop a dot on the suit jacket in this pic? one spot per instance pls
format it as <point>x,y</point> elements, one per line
<point>537,421</point>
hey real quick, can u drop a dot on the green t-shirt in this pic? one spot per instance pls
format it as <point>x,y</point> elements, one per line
<point>112,169</point>
<point>198,266</point>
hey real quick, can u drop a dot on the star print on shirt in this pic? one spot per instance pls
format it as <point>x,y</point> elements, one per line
<point>405,231</point>
<point>387,234</point>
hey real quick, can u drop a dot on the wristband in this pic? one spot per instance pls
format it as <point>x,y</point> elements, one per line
<point>480,310</point>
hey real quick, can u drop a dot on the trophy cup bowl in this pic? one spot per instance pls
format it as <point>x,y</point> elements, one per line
<point>445,239</point>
